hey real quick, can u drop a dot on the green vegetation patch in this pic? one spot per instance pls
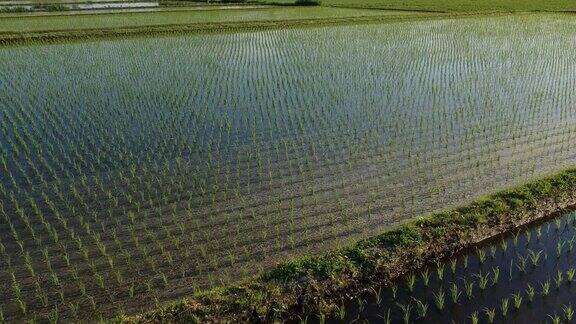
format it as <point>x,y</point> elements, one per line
<point>166,18</point>
<point>459,5</point>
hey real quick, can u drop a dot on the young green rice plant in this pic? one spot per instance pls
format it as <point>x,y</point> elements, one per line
<point>440,271</point>
<point>453,265</point>
<point>559,279</point>
<point>425,277</point>
<point>568,312</point>
<point>534,257</point>
<point>468,288</point>
<point>558,224</point>
<point>515,238</point>
<point>504,245</point>
<point>465,262</point>
<point>504,307</point>
<point>528,237</point>
<point>455,293</point>
<point>538,233</point>
<point>545,288</point>
<point>490,314</point>
<point>321,318</point>
<point>394,288</point>
<point>493,250</point>
<point>439,299</point>
<point>387,319</point>
<point>421,308</point>
<point>530,292</point>
<point>559,247</point>
<point>495,275</point>
<point>521,263</point>
<point>481,256</point>
<point>410,281</point>
<point>361,304</point>
<point>556,319</point>
<point>517,300</point>
<point>474,318</point>
<point>377,293</point>
<point>406,311</point>
<point>570,275</point>
<point>482,279</point>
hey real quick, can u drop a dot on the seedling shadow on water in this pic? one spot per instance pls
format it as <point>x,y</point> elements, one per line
<point>526,276</point>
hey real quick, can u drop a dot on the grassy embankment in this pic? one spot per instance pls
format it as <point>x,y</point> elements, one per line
<point>317,284</point>
<point>460,5</point>
<point>15,28</point>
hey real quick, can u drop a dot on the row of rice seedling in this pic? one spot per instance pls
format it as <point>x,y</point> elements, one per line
<point>529,275</point>
<point>138,171</point>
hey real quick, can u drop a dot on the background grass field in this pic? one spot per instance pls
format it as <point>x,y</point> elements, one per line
<point>158,18</point>
<point>460,5</point>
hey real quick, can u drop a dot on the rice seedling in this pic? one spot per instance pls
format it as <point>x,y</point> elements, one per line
<point>504,245</point>
<point>482,279</point>
<point>440,271</point>
<point>394,289</point>
<point>421,308</point>
<point>515,239</point>
<point>545,288</point>
<point>556,319</point>
<point>493,250</point>
<point>559,279</point>
<point>361,304</point>
<point>425,277</point>
<point>521,263</point>
<point>534,257</point>
<point>490,314</point>
<point>377,293</point>
<point>570,275</point>
<point>530,292</point>
<point>495,275</point>
<point>455,293</point>
<point>406,312</point>
<point>468,288</point>
<point>559,247</point>
<point>474,318</point>
<point>386,318</point>
<point>517,300</point>
<point>453,263</point>
<point>568,312</point>
<point>504,307</point>
<point>410,281</point>
<point>439,299</point>
<point>481,255</point>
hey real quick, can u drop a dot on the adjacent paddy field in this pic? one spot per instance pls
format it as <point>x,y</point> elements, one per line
<point>134,172</point>
<point>13,24</point>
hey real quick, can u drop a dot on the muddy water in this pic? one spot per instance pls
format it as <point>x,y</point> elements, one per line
<point>509,265</point>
